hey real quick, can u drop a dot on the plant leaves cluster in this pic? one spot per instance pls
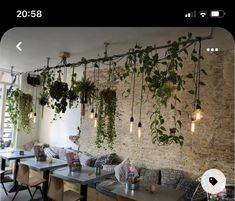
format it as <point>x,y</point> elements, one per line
<point>19,106</point>
<point>107,106</point>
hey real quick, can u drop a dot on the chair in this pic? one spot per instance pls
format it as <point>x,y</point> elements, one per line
<point>25,180</point>
<point>56,191</point>
<point>121,198</point>
<point>1,172</point>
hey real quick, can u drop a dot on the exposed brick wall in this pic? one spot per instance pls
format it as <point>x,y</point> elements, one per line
<point>212,144</point>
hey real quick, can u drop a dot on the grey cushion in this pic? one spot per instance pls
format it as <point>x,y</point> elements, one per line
<point>188,186</point>
<point>106,187</point>
<point>149,177</point>
<point>171,177</point>
<point>61,152</point>
<point>50,153</point>
<point>86,159</point>
<point>105,160</point>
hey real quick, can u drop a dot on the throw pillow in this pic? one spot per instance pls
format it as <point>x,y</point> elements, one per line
<point>105,160</point>
<point>121,170</point>
<point>86,159</point>
<point>50,153</point>
<point>188,186</point>
<point>61,152</point>
<point>109,168</point>
<point>149,177</point>
<point>170,177</point>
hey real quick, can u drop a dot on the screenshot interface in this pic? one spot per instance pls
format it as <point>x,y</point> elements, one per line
<point>141,109</point>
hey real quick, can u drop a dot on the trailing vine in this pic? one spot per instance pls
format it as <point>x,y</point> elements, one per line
<point>19,106</point>
<point>163,80</point>
<point>107,105</point>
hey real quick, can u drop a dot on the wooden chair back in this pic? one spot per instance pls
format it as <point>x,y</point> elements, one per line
<point>56,189</point>
<point>23,174</point>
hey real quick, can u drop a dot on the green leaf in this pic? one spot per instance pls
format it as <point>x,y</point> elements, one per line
<point>190,75</point>
<point>204,72</point>
<point>202,83</point>
<point>180,123</point>
<point>193,58</point>
<point>191,91</point>
<point>185,51</point>
<point>179,112</point>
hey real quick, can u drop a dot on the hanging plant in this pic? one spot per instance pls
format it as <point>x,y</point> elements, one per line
<point>86,90</point>
<point>59,92</point>
<point>107,105</point>
<point>46,80</point>
<point>19,106</point>
<point>73,95</point>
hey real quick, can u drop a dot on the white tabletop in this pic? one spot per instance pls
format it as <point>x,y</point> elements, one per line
<point>15,154</point>
<point>86,176</point>
<point>44,165</point>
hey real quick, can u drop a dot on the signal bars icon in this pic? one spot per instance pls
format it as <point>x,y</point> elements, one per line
<point>191,14</point>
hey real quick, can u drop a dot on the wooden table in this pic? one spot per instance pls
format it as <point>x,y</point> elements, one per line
<point>85,177</point>
<point>13,155</point>
<point>142,194</point>
<point>45,167</point>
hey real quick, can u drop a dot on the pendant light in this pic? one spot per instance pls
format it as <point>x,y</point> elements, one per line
<point>141,101</point>
<point>92,106</point>
<point>97,94</point>
<point>35,114</point>
<point>30,115</point>
<point>133,98</point>
<point>198,114</point>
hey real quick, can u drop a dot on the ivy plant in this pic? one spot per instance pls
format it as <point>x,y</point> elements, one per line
<point>163,80</point>
<point>107,105</point>
<point>19,106</point>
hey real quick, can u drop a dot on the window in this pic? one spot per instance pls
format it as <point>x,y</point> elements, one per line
<point>6,126</point>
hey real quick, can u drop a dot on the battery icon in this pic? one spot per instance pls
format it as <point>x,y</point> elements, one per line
<point>217,13</point>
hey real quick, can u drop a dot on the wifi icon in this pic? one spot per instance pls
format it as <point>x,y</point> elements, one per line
<point>202,13</point>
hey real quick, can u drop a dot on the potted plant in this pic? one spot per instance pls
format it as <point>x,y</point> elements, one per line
<point>87,91</point>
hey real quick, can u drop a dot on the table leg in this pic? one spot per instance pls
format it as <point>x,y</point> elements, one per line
<point>3,166</point>
<point>83,192</point>
<point>45,184</point>
<point>4,178</point>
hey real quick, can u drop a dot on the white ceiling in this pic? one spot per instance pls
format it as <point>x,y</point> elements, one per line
<point>41,42</point>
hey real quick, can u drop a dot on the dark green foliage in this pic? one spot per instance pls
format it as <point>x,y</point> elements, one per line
<point>19,106</point>
<point>107,105</point>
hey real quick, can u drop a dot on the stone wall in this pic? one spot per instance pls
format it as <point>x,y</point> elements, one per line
<point>212,144</point>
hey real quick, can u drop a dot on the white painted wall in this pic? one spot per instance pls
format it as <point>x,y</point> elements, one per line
<point>56,133</point>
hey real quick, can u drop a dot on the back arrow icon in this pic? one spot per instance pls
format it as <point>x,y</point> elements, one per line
<point>18,46</point>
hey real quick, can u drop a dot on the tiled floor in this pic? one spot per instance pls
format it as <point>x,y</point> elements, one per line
<point>22,195</point>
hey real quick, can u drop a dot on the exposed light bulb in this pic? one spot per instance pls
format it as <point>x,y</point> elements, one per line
<point>34,117</point>
<point>139,130</point>
<point>92,113</point>
<point>30,115</point>
<point>197,114</point>
<point>131,124</point>
<point>193,127</point>
<point>95,122</point>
